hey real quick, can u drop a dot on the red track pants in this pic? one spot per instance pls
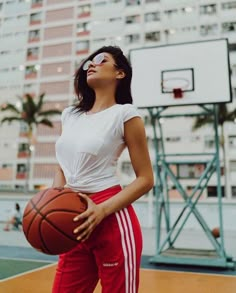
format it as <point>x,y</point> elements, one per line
<point>112,254</point>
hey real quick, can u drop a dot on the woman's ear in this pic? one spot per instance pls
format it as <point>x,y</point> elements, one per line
<point>120,74</point>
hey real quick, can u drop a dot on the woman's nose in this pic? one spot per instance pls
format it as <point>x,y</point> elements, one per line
<point>91,64</point>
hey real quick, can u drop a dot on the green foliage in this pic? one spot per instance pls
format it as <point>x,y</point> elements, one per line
<point>224,116</point>
<point>30,112</point>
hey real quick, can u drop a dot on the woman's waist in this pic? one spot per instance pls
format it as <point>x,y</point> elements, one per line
<point>103,195</point>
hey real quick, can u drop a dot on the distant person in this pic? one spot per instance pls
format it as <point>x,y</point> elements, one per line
<point>16,220</point>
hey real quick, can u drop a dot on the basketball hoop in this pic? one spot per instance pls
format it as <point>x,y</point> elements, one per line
<point>175,85</point>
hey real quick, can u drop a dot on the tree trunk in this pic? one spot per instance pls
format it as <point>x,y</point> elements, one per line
<point>29,136</point>
<point>226,181</point>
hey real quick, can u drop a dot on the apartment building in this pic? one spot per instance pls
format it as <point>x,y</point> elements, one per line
<point>43,41</point>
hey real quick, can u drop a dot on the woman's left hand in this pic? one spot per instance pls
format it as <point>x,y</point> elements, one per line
<point>93,215</point>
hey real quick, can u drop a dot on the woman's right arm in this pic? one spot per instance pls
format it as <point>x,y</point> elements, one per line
<point>59,178</point>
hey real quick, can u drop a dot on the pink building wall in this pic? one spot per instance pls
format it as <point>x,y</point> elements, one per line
<point>55,69</point>
<point>59,14</point>
<point>57,50</point>
<point>58,32</point>
<point>54,88</point>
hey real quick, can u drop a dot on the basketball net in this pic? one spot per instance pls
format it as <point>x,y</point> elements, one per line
<point>178,93</point>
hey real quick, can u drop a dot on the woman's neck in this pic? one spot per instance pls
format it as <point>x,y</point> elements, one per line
<point>103,101</point>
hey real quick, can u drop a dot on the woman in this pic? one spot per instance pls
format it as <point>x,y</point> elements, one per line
<point>94,134</point>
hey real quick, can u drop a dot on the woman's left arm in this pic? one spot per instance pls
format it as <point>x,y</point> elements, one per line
<point>135,138</point>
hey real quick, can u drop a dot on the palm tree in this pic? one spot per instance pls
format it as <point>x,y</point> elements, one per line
<point>224,116</point>
<point>30,113</point>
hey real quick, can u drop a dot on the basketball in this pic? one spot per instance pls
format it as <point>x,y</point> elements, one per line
<point>216,232</point>
<point>48,220</point>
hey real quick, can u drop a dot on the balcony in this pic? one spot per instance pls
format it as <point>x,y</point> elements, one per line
<point>32,54</point>
<point>36,18</point>
<point>22,154</point>
<point>36,4</point>
<point>21,175</point>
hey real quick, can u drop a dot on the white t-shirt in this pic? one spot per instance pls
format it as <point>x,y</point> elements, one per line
<point>90,145</point>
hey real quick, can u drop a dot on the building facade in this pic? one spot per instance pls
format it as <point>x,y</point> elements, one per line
<point>42,42</point>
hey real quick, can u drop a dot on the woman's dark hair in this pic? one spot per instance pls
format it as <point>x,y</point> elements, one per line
<point>86,95</point>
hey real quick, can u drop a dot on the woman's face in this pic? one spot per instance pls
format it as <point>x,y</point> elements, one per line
<point>101,70</point>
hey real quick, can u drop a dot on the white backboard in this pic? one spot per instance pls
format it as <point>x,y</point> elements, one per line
<point>201,69</point>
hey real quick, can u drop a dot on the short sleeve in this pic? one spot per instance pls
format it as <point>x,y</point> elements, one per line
<point>65,113</point>
<point>129,111</point>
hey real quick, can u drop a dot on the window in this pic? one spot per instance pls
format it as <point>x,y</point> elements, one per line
<point>170,13</point>
<point>234,191</point>
<point>232,142</point>
<point>132,39</point>
<point>84,10</point>
<point>152,1</point>
<point>190,170</point>
<point>23,150</point>
<point>209,29</point>
<point>127,168</point>
<point>20,187</point>
<point>132,2</point>
<point>35,18</point>
<point>147,120</point>
<point>212,191</point>
<point>21,172</point>
<point>234,92</point>
<point>82,46</point>
<point>31,71</point>
<point>132,19</point>
<point>36,1</point>
<point>187,9</point>
<point>5,166</point>
<point>229,5</point>
<point>115,19</point>
<point>83,27</point>
<point>32,53</point>
<point>232,47</point>
<point>228,27</point>
<point>154,16</point>
<point>208,9</point>
<point>21,168</point>
<point>4,70</point>
<point>34,35</point>
<point>6,187</point>
<point>152,37</point>
<point>209,142</point>
<point>232,166</point>
<point>188,28</point>
<point>173,139</point>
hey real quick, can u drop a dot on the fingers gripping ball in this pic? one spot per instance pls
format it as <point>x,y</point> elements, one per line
<point>48,220</point>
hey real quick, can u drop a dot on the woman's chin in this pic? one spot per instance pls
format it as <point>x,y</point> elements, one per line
<point>92,81</point>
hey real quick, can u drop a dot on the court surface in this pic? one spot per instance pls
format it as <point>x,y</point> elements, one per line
<point>24,270</point>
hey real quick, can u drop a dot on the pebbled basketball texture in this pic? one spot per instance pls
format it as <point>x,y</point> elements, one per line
<point>48,220</point>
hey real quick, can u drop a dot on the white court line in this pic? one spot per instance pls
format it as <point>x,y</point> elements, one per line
<point>190,273</point>
<point>28,259</point>
<point>28,272</point>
